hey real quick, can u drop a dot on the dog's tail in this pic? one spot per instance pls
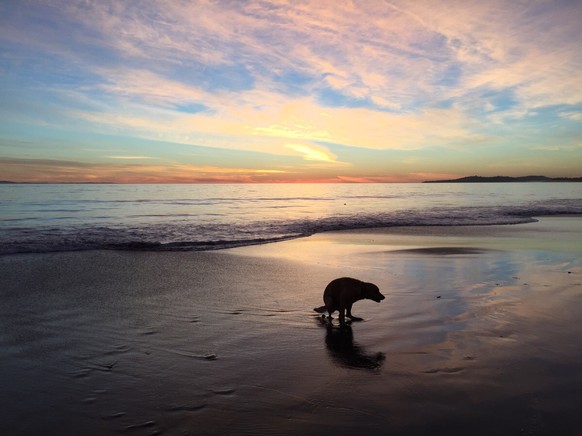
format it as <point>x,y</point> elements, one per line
<point>321,309</point>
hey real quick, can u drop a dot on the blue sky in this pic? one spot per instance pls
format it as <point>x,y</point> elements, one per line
<point>270,91</point>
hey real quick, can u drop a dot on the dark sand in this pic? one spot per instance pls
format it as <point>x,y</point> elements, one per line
<point>479,334</point>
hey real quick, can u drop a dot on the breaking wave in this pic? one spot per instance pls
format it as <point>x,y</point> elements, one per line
<point>188,232</point>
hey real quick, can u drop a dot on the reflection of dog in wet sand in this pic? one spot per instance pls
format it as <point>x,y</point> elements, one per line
<point>347,353</point>
<point>342,293</point>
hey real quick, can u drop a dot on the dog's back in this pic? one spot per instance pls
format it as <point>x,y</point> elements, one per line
<point>345,287</point>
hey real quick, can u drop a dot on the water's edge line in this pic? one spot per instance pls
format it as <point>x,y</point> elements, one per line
<point>225,245</point>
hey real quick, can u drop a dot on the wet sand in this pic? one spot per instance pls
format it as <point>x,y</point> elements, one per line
<point>479,334</point>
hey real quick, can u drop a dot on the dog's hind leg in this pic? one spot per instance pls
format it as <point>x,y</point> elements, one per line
<point>329,306</point>
<point>342,316</point>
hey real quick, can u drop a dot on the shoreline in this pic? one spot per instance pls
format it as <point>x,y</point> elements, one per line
<point>540,233</point>
<point>478,334</point>
<point>179,246</point>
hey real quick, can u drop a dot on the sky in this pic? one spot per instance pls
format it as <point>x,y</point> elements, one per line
<point>236,91</point>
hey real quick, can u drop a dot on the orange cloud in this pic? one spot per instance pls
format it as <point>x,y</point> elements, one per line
<point>46,170</point>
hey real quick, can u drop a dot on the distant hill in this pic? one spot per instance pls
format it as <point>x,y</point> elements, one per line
<point>506,179</point>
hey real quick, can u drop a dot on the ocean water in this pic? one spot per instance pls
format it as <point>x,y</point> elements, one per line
<point>44,218</point>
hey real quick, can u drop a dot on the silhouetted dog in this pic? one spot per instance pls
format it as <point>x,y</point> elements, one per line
<point>342,293</point>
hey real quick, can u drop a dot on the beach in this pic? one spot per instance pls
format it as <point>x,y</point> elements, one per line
<point>479,334</point>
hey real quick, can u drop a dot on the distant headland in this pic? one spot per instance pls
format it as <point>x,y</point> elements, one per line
<point>507,179</point>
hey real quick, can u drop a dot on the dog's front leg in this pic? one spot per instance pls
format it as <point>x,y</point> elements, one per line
<point>352,317</point>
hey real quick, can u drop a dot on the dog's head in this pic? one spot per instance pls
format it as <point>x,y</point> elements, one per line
<point>372,292</point>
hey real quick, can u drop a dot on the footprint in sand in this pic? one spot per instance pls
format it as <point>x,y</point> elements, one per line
<point>114,415</point>
<point>118,349</point>
<point>185,408</point>
<point>142,425</point>
<point>89,400</point>
<point>444,371</point>
<point>149,332</point>
<point>223,391</point>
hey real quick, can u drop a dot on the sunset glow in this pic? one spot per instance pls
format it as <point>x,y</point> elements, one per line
<point>275,91</point>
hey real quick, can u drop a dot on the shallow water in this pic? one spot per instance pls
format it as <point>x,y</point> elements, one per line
<point>49,218</point>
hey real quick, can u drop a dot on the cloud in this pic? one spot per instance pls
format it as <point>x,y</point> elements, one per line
<point>572,115</point>
<point>313,152</point>
<point>402,53</point>
<point>262,120</point>
<point>397,53</point>
<point>148,87</point>
<point>567,146</point>
<point>129,157</point>
<point>273,125</point>
<point>52,170</point>
<point>529,47</point>
<point>284,77</point>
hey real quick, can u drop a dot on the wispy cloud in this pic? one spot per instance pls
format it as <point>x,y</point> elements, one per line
<point>572,115</point>
<point>129,157</point>
<point>391,52</point>
<point>284,77</point>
